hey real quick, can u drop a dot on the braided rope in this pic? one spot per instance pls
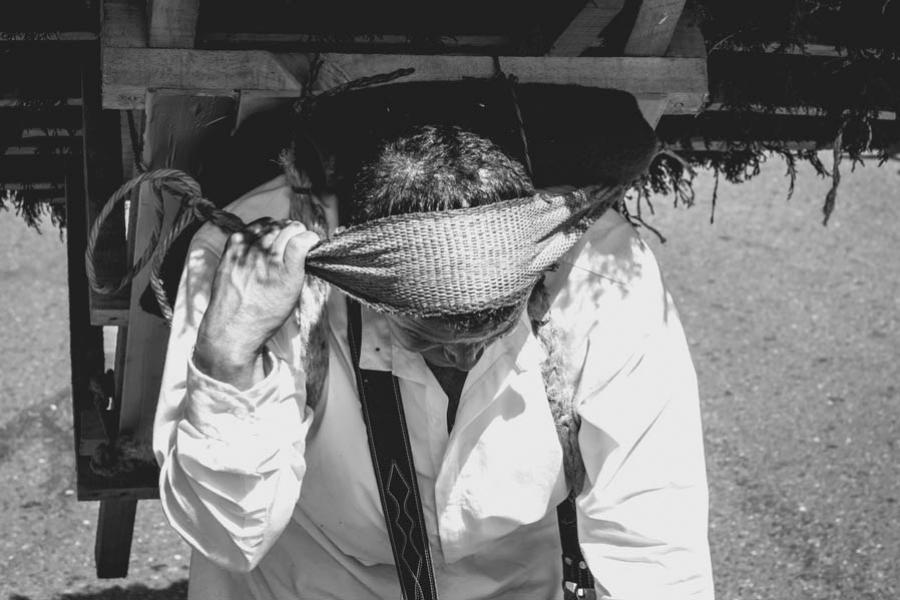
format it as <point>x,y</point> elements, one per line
<point>120,194</point>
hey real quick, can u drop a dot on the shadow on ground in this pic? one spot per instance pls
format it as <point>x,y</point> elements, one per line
<point>176,591</point>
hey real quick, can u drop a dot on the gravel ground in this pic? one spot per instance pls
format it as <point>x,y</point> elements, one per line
<point>795,331</point>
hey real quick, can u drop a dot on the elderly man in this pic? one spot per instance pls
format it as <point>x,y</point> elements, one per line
<point>266,470</point>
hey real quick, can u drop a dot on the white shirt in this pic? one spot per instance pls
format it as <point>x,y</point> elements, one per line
<point>280,502</point>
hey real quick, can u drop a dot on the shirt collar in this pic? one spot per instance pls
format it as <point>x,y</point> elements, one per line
<point>380,351</point>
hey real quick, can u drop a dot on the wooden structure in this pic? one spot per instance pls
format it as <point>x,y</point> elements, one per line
<point>165,82</point>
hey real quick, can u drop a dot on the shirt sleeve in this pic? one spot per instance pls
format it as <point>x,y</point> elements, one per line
<point>231,461</point>
<point>643,510</point>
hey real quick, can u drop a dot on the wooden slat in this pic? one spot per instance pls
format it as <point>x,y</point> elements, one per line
<point>687,39</point>
<point>115,529</point>
<point>124,24</point>
<point>654,27</point>
<point>178,126</point>
<point>173,23</point>
<point>32,169</point>
<point>128,73</point>
<point>686,42</point>
<point>584,30</point>
<point>38,148</point>
<point>48,36</point>
<point>102,155</point>
<point>481,44</point>
<point>85,339</point>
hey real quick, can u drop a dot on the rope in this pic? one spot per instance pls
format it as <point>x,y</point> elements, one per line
<point>511,82</point>
<point>194,207</point>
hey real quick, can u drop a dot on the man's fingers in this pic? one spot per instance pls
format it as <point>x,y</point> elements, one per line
<point>279,244</point>
<point>298,246</point>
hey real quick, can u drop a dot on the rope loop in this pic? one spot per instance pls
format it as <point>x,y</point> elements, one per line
<point>194,206</point>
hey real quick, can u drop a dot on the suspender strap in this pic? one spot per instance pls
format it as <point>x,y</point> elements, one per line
<point>395,472</point>
<point>577,579</point>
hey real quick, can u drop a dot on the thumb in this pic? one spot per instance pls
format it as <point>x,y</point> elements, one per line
<point>296,250</point>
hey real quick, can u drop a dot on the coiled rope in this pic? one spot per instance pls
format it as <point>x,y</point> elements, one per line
<point>193,207</point>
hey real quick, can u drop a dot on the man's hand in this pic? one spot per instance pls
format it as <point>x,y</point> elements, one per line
<point>256,287</point>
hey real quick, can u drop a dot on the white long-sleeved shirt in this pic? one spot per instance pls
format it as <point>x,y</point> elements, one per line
<point>279,501</point>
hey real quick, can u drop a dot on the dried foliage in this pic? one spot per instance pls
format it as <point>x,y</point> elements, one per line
<point>847,91</point>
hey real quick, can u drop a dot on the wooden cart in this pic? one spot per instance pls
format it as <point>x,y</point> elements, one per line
<point>164,83</point>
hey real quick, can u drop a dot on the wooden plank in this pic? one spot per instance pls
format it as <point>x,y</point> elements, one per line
<point>129,72</point>
<point>584,30</point>
<point>654,27</point>
<point>124,24</point>
<point>115,529</point>
<point>85,339</point>
<point>290,41</point>
<point>687,40</point>
<point>181,132</point>
<point>39,147</point>
<point>638,75</point>
<point>807,111</point>
<point>173,23</point>
<point>48,36</point>
<point>32,169</point>
<point>102,155</point>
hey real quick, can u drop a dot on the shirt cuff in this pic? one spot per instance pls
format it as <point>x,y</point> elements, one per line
<point>221,411</point>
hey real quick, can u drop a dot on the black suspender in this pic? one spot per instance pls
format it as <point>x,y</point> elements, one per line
<point>382,410</point>
<point>398,488</point>
<point>577,579</point>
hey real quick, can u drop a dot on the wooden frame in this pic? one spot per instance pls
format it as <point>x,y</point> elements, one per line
<point>583,32</point>
<point>150,62</point>
<point>129,73</point>
<point>172,23</point>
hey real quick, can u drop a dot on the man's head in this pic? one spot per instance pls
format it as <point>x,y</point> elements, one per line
<point>440,168</point>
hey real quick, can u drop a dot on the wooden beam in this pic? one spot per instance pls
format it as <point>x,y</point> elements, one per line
<point>173,23</point>
<point>584,30</point>
<point>85,339</point>
<point>103,174</point>
<point>38,148</point>
<point>129,73</point>
<point>32,169</point>
<point>644,75</point>
<point>115,529</point>
<point>480,44</point>
<point>654,27</point>
<point>124,24</point>
<point>687,39</point>
<point>47,36</point>
<point>806,111</point>
<point>687,42</point>
<point>182,132</point>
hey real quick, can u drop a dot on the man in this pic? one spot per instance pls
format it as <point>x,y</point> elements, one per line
<point>269,478</point>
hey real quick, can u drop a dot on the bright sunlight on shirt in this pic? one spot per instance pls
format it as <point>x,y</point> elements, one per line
<point>279,501</point>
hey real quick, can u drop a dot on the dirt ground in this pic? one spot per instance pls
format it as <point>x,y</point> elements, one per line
<point>795,332</point>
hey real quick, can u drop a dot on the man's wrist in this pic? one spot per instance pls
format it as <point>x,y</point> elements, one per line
<point>242,370</point>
